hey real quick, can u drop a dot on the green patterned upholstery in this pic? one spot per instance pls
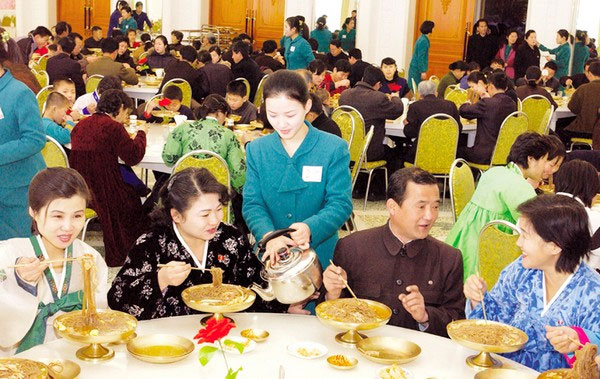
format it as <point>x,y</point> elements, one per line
<point>185,87</point>
<point>42,96</point>
<point>92,83</point>
<point>346,124</point>
<point>457,96</point>
<point>211,161</point>
<point>363,155</point>
<point>462,186</point>
<point>435,79</point>
<point>42,77</point>
<point>431,155</point>
<point>41,63</point>
<point>54,155</point>
<point>247,84</point>
<point>581,141</point>
<point>535,107</point>
<point>497,249</point>
<point>449,89</point>
<point>513,126</point>
<point>258,97</point>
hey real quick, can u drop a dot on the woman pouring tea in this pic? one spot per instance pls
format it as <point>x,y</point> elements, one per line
<point>548,285</point>
<point>187,234</point>
<point>33,290</point>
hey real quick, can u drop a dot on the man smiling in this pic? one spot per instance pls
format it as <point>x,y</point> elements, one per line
<point>400,264</point>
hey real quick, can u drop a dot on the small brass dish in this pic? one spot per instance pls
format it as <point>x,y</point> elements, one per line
<point>559,373</point>
<point>342,362</point>
<point>160,348</point>
<point>388,350</point>
<point>62,368</point>
<point>256,335</point>
<point>503,373</point>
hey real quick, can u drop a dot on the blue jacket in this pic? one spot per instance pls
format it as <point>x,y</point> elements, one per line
<point>60,134</point>
<point>323,37</point>
<point>298,53</point>
<point>276,195</point>
<point>22,134</point>
<point>141,19</point>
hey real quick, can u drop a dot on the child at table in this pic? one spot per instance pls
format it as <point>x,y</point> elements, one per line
<point>238,102</point>
<point>86,104</point>
<point>127,22</point>
<point>55,115</point>
<point>66,87</point>
<point>36,293</point>
<point>171,101</point>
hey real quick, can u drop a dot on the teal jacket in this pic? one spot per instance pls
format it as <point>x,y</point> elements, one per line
<point>22,134</point>
<point>125,25</point>
<point>581,53</point>
<point>563,55</point>
<point>60,134</point>
<point>348,39</point>
<point>277,194</point>
<point>298,53</point>
<point>323,37</point>
<point>420,58</point>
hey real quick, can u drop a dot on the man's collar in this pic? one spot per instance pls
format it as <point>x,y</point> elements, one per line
<point>394,246</point>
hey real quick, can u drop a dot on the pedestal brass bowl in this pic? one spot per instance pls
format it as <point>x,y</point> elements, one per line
<point>484,360</point>
<point>69,326</point>
<point>504,373</point>
<point>22,368</point>
<point>217,308</point>
<point>160,348</point>
<point>351,337</point>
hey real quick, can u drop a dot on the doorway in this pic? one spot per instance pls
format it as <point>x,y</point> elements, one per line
<point>504,15</point>
<point>83,14</point>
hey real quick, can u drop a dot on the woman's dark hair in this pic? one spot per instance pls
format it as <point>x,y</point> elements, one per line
<point>286,83</point>
<point>62,27</point>
<point>213,104</point>
<point>458,65</point>
<point>427,27</point>
<point>116,33</point>
<point>182,189</point>
<point>579,178</point>
<point>476,76</point>
<point>563,221</point>
<point>178,35</point>
<point>511,31</point>
<point>580,35</point>
<point>317,67</point>
<point>294,23</point>
<point>528,33</point>
<point>9,51</point>
<point>314,44</point>
<point>145,37</point>
<point>499,80</point>
<point>121,4</point>
<point>164,41</point>
<point>112,100</point>
<point>563,33</point>
<point>321,22</point>
<point>347,22</point>
<point>527,145</point>
<point>400,179</point>
<point>126,8</point>
<point>109,82</point>
<point>317,105</point>
<point>216,49</point>
<point>242,48</point>
<point>557,147</point>
<point>533,75</point>
<point>55,183</point>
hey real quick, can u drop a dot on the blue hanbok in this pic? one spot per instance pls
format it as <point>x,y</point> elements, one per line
<point>519,299</point>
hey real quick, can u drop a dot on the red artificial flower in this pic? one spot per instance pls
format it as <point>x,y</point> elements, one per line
<point>164,102</point>
<point>142,61</point>
<point>214,330</point>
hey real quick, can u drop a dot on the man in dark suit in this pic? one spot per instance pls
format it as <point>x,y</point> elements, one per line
<point>269,58</point>
<point>62,66</point>
<point>428,105</point>
<point>106,65</point>
<point>36,39</point>
<point>215,76</point>
<point>490,112</point>
<point>335,54</point>
<point>244,67</point>
<point>317,117</point>
<point>184,69</point>
<point>482,45</point>
<point>358,66</point>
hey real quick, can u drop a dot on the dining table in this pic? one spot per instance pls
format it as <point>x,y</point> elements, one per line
<point>144,90</point>
<point>439,358</point>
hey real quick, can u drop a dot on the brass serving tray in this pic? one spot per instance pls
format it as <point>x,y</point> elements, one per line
<point>559,373</point>
<point>388,350</point>
<point>503,373</point>
<point>160,348</point>
<point>455,326</point>
<point>10,362</point>
<point>127,321</point>
<point>203,306</point>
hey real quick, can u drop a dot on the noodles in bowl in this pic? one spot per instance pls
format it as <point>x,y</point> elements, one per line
<point>16,368</point>
<point>352,311</point>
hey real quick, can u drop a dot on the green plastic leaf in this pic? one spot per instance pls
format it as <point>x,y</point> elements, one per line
<point>206,354</point>
<point>237,345</point>
<point>232,374</point>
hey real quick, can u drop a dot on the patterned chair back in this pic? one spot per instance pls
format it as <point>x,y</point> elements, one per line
<point>431,155</point>
<point>513,126</point>
<point>363,155</point>
<point>402,73</point>
<point>42,77</point>
<point>535,107</point>
<point>42,96</point>
<point>497,249</point>
<point>458,96</point>
<point>247,84</point>
<point>462,186</point>
<point>449,89</point>
<point>358,135</point>
<point>185,87</point>
<point>346,124</point>
<point>54,155</point>
<point>258,97</point>
<point>435,79</point>
<point>41,63</point>
<point>92,83</point>
<point>214,163</point>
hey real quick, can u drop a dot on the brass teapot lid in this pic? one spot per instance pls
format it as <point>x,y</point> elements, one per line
<point>292,261</point>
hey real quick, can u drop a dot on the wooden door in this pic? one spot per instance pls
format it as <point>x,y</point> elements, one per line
<point>230,13</point>
<point>451,18</point>
<point>100,14</point>
<point>269,18</point>
<point>83,14</point>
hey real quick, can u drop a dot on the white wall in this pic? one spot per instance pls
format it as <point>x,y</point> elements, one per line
<point>29,17</point>
<point>305,8</point>
<point>184,14</point>
<point>546,17</point>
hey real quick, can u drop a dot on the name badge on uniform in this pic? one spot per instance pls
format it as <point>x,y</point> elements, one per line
<point>1,114</point>
<point>292,48</point>
<point>312,173</point>
<point>344,36</point>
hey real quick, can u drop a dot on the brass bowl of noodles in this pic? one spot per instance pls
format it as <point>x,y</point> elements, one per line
<point>22,368</point>
<point>486,337</point>
<point>164,113</point>
<point>503,373</point>
<point>559,373</point>
<point>352,315</point>
<point>218,299</point>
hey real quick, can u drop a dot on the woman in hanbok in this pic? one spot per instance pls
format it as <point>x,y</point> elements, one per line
<point>500,191</point>
<point>548,286</point>
<point>562,53</point>
<point>419,63</point>
<point>35,293</point>
<point>186,232</point>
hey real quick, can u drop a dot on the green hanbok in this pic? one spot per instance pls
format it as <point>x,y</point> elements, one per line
<point>419,61</point>
<point>500,191</point>
<point>562,56</point>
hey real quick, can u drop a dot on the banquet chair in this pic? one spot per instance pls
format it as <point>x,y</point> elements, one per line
<point>578,141</point>
<point>401,73</point>
<point>92,82</point>
<point>497,249</point>
<point>42,77</point>
<point>458,96</point>
<point>142,56</point>
<point>462,186</point>
<point>513,126</point>
<point>450,88</point>
<point>247,84</point>
<point>350,225</point>
<point>258,97</point>
<point>214,163</point>
<point>431,155</point>
<point>185,87</point>
<point>55,156</point>
<point>535,107</point>
<point>42,96</point>
<point>40,64</point>
<point>519,105</point>
<point>346,124</point>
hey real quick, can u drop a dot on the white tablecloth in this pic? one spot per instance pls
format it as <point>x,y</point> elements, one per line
<point>440,357</point>
<point>560,112</point>
<point>155,141</point>
<point>141,91</point>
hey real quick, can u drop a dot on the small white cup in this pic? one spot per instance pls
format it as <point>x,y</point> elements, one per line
<point>160,72</point>
<point>180,119</point>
